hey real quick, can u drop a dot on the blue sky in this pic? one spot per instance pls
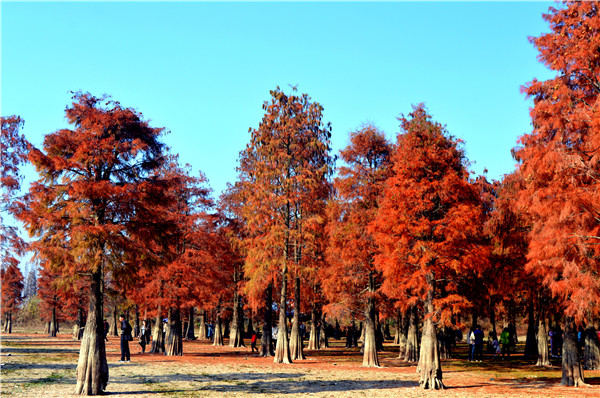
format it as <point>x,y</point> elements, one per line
<point>203,70</point>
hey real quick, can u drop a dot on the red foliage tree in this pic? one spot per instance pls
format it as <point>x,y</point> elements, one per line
<point>284,171</point>
<point>560,165</point>
<point>349,279</point>
<point>100,191</point>
<point>429,230</point>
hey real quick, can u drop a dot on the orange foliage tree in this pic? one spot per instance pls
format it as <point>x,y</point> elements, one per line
<point>429,230</point>
<point>349,279</point>
<point>284,181</point>
<point>98,190</point>
<point>560,165</point>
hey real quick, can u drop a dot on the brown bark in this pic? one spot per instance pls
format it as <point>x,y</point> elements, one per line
<point>92,368</point>
<point>531,345</point>
<point>411,350</point>
<point>266,340</point>
<point>398,328</point>
<point>543,359</point>
<point>572,374</point>
<point>296,343</point>
<point>323,339</point>
<point>80,323</point>
<point>174,339</point>
<point>429,367</point>
<point>114,327</point>
<point>236,334</point>
<point>202,327</point>
<point>53,323</point>
<point>8,323</point>
<point>158,342</point>
<point>370,345</point>
<point>189,331</point>
<point>591,351</point>
<point>282,349</point>
<point>218,335</point>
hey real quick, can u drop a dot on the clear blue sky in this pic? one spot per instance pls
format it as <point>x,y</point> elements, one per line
<point>203,70</point>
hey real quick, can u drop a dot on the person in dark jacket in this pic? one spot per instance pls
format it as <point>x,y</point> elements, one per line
<point>125,338</point>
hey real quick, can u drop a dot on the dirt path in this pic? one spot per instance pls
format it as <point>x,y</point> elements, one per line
<point>38,366</point>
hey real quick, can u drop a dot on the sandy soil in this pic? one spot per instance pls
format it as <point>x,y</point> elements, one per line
<point>39,366</point>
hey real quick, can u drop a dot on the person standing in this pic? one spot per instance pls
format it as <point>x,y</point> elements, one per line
<point>125,339</point>
<point>471,344</point>
<point>478,344</point>
<point>253,342</point>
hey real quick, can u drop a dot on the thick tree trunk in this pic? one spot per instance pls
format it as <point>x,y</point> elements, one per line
<point>531,345</point>
<point>402,345</point>
<point>174,343</point>
<point>572,374</point>
<point>189,332</point>
<point>282,349</point>
<point>370,345</point>
<point>591,351</point>
<point>411,351</point>
<point>92,368</point>
<point>218,337</point>
<point>296,343</point>
<point>158,342</point>
<point>53,323</point>
<point>313,338</point>
<point>323,338</point>
<point>47,326</point>
<point>250,327</point>
<point>542,343</point>
<point>236,335</point>
<point>474,318</point>
<point>80,323</point>
<point>202,327</point>
<point>8,323</point>
<point>266,340</point>
<point>398,328</point>
<point>429,367</point>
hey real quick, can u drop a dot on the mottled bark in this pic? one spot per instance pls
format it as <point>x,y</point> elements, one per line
<point>296,343</point>
<point>218,335</point>
<point>591,351</point>
<point>174,339</point>
<point>429,367</point>
<point>236,334</point>
<point>158,341</point>
<point>53,323</point>
<point>411,351</point>
<point>202,326</point>
<point>92,368</point>
<point>370,345</point>
<point>266,340</point>
<point>572,374</point>
<point>543,358</point>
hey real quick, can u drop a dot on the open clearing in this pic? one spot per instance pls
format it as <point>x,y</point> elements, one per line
<point>39,366</point>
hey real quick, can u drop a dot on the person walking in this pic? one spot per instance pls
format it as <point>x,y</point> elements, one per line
<point>253,342</point>
<point>125,339</point>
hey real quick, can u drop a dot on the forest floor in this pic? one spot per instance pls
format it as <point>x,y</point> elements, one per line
<point>34,365</point>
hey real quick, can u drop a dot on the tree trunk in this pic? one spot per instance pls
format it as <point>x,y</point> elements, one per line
<point>313,338</point>
<point>250,328</point>
<point>218,337</point>
<point>411,351</point>
<point>429,367</point>
<point>236,334</point>
<point>591,352</point>
<point>282,350</point>
<point>398,328</point>
<point>8,324</point>
<point>323,340</point>
<point>47,326</point>
<point>202,327</point>
<point>158,342</point>
<point>174,343</point>
<point>542,344</point>
<point>80,323</point>
<point>296,343</point>
<point>572,374</point>
<point>136,329</point>
<point>114,327</point>
<point>531,345</point>
<point>493,316</point>
<point>370,345</point>
<point>266,340</point>
<point>474,318</point>
<point>402,345</point>
<point>92,368</point>
<point>53,323</point>
<point>189,332</point>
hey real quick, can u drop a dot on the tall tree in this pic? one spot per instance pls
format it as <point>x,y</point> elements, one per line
<point>350,278</point>
<point>429,229</point>
<point>284,177</point>
<point>101,192</point>
<point>561,168</point>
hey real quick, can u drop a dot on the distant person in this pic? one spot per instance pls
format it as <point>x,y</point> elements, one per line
<point>478,344</point>
<point>125,339</point>
<point>274,332</point>
<point>471,344</point>
<point>253,342</point>
<point>105,330</point>
<point>505,341</point>
<point>496,347</point>
<point>144,335</point>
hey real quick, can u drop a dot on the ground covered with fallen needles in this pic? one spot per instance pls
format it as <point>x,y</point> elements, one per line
<point>34,365</point>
